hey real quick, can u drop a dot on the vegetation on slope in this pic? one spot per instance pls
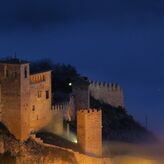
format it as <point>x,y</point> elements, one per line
<point>62,75</point>
<point>118,125</point>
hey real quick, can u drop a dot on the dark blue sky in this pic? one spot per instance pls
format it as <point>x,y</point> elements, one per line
<point>108,40</point>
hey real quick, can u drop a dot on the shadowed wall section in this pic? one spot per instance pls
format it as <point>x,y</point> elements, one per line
<point>107,92</point>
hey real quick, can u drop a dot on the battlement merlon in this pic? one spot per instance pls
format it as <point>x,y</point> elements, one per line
<point>59,107</point>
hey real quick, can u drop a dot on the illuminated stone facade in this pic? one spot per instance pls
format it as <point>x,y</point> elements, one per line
<point>89,131</point>
<point>109,93</point>
<point>25,100</point>
<point>40,100</point>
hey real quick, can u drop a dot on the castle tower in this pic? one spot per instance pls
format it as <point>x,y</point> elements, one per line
<point>89,131</point>
<point>80,90</point>
<point>15,94</point>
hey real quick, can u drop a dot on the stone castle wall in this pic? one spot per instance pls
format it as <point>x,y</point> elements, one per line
<point>56,125</point>
<point>108,93</point>
<point>40,100</point>
<point>89,131</point>
<point>60,112</point>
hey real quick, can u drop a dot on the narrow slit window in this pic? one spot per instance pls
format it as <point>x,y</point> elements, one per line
<point>44,78</point>
<point>25,72</point>
<point>7,73</point>
<point>15,74</point>
<point>33,108</point>
<point>47,94</point>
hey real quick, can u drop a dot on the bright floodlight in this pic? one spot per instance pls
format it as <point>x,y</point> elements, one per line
<point>70,84</point>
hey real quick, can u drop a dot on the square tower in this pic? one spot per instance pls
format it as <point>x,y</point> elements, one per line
<point>89,131</point>
<point>15,96</point>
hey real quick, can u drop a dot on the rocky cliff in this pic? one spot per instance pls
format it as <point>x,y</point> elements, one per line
<point>14,152</point>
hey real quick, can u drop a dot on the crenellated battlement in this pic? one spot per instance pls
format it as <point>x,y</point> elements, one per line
<point>89,110</point>
<point>108,86</point>
<point>59,107</point>
<point>67,108</point>
<point>110,93</point>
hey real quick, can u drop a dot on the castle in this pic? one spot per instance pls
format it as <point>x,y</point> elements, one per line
<point>25,99</point>
<point>26,104</point>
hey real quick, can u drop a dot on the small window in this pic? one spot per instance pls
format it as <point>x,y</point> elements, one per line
<point>15,74</point>
<point>44,78</point>
<point>25,72</point>
<point>39,94</point>
<point>7,73</point>
<point>33,108</point>
<point>47,94</point>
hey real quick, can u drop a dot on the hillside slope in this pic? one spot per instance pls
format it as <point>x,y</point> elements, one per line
<point>118,125</point>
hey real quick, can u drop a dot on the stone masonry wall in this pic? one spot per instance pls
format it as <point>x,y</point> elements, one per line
<point>25,101</point>
<point>14,103</point>
<point>109,93</point>
<point>89,131</point>
<point>56,125</point>
<point>40,100</point>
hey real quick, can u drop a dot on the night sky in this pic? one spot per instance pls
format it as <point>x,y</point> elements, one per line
<point>109,40</point>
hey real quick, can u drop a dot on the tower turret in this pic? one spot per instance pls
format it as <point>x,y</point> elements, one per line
<point>89,131</point>
<point>15,94</point>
